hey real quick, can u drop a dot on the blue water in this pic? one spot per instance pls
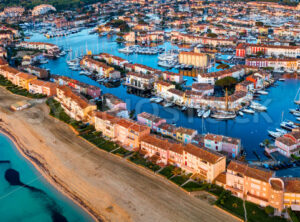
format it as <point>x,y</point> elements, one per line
<point>252,129</point>
<point>36,203</point>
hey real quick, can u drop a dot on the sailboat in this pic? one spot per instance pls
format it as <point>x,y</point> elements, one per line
<point>224,115</point>
<point>297,100</point>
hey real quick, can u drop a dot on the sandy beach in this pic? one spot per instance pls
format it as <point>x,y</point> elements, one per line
<point>108,187</point>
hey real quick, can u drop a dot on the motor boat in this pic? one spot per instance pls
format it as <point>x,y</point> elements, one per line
<point>274,134</point>
<point>262,92</point>
<point>200,112</point>
<point>250,111</point>
<point>126,50</point>
<point>257,106</point>
<point>168,104</point>
<point>282,131</point>
<point>288,125</point>
<point>240,113</point>
<point>206,114</point>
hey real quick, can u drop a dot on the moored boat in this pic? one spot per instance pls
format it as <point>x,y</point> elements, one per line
<point>223,115</point>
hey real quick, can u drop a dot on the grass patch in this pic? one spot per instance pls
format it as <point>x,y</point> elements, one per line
<point>232,204</point>
<point>167,171</point>
<point>139,159</point>
<point>96,138</point>
<point>193,186</point>
<point>295,215</point>
<point>18,90</point>
<point>122,152</point>
<point>181,179</point>
<point>257,213</point>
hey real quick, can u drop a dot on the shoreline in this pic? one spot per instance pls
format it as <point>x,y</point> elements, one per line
<point>106,187</point>
<point>42,169</point>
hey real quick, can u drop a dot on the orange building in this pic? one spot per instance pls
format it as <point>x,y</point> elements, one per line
<point>129,133</point>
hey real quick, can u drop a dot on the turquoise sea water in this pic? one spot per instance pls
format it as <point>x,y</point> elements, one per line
<point>39,201</point>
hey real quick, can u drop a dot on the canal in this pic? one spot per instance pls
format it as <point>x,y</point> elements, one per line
<point>251,129</point>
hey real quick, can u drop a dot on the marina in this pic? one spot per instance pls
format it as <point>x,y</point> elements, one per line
<point>251,123</point>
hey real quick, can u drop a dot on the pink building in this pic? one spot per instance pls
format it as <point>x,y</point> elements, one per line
<point>113,102</point>
<point>150,120</point>
<point>288,144</point>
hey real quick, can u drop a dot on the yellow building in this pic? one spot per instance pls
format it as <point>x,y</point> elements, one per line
<point>193,58</point>
<point>292,193</point>
<point>106,124</point>
<point>161,87</point>
<point>76,106</point>
<point>23,79</point>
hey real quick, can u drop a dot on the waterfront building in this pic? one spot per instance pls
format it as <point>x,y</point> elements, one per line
<point>113,102</point>
<point>129,37</point>
<point>106,124</point>
<point>278,64</point>
<point>101,68</point>
<point>144,69</point>
<point>287,145</point>
<point>129,133</point>
<point>75,105</point>
<point>258,79</point>
<point>175,95</point>
<point>156,147</point>
<point>172,77</point>
<point>40,73</point>
<point>204,88</point>
<point>228,145</point>
<point>9,72</point>
<point>245,86</point>
<point>166,129</point>
<point>204,163</point>
<point>291,198</point>
<point>83,88</point>
<point>162,87</point>
<point>254,184</point>
<point>237,72</point>
<point>150,120</point>
<point>140,81</point>
<point>193,39</point>
<point>194,59</point>
<point>185,135</point>
<point>49,47</point>
<point>42,87</point>
<point>23,79</point>
<point>242,50</point>
<point>111,59</point>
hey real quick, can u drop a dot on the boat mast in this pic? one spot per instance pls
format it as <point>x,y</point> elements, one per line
<point>226,99</point>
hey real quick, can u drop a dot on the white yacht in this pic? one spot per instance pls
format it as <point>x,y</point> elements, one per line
<point>206,114</point>
<point>274,134</point>
<point>257,106</point>
<point>249,111</point>
<point>262,92</point>
<point>126,50</point>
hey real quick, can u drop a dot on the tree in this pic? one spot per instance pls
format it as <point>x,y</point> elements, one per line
<point>269,210</point>
<point>260,53</point>
<point>176,171</point>
<point>223,66</point>
<point>212,35</point>
<point>226,82</point>
<point>259,23</point>
<point>266,142</point>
